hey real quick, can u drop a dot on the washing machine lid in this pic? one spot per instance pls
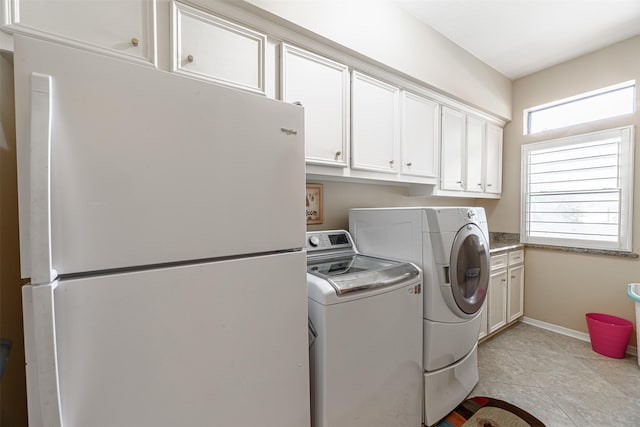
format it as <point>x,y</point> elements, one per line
<point>361,272</point>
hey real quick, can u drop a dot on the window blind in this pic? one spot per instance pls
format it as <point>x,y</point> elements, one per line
<point>576,190</point>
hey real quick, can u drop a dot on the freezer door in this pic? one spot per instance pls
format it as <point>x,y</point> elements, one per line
<point>150,167</point>
<point>214,344</point>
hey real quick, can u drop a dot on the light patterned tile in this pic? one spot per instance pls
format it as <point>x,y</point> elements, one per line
<point>567,373</point>
<point>559,379</point>
<point>587,409</point>
<point>524,338</point>
<point>503,366</point>
<point>624,374</point>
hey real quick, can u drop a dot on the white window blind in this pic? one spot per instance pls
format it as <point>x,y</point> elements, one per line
<point>577,191</point>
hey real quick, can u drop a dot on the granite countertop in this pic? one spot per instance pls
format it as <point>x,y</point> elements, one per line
<point>505,247</point>
<point>502,242</point>
<point>499,242</point>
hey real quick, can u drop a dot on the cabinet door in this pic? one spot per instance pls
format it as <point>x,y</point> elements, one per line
<point>120,27</point>
<point>374,124</point>
<point>452,149</point>
<point>212,48</point>
<point>516,293</point>
<point>497,313</point>
<point>419,136</point>
<point>473,155</point>
<point>493,162</point>
<point>322,87</point>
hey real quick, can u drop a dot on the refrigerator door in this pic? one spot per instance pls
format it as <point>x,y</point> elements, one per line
<point>149,167</point>
<point>213,344</point>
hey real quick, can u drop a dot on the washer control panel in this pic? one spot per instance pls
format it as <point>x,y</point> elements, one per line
<point>328,240</point>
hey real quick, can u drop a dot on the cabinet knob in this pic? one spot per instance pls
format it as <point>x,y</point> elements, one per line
<point>503,280</point>
<point>460,182</point>
<point>391,162</point>
<point>409,164</point>
<point>135,42</point>
<point>190,58</point>
<point>489,185</point>
<point>338,154</point>
<point>513,277</point>
<point>479,184</point>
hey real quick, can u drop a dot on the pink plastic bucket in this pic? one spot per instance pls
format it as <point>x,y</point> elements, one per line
<point>609,334</point>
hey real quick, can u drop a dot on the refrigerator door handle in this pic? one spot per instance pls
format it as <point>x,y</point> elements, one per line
<point>40,212</point>
<point>41,355</point>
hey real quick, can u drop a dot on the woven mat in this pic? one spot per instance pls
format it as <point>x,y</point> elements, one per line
<point>488,412</point>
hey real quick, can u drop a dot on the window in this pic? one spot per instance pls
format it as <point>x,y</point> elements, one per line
<point>578,191</point>
<point>611,101</point>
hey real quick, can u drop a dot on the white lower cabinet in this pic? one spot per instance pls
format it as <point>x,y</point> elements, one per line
<point>505,298</point>
<point>497,314</point>
<point>515,302</point>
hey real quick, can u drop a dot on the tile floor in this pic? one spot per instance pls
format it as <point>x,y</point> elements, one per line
<point>559,379</point>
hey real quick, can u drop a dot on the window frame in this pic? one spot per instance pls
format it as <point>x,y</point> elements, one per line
<point>527,112</point>
<point>625,185</point>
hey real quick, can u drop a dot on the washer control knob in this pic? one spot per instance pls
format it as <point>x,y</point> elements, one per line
<point>471,214</point>
<point>314,241</point>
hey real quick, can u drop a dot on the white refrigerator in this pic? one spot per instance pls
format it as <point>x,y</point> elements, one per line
<point>162,226</point>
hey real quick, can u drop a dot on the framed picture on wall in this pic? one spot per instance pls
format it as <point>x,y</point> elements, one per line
<point>314,204</point>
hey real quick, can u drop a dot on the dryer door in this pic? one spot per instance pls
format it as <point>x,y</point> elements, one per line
<point>469,268</point>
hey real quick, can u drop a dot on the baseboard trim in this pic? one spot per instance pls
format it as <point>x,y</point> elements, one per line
<point>568,332</point>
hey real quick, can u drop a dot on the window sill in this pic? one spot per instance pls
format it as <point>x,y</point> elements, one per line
<point>605,252</point>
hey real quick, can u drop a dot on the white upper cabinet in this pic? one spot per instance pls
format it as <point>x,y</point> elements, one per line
<point>493,159</point>
<point>419,135</point>
<point>322,87</point>
<point>209,47</point>
<point>123,28</point>
<point>471,156</point>
<point>452,149</point>
<point>474,154</point>
<point>374,110</point>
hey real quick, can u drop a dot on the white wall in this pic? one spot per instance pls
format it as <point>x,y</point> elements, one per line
<point>561,287</point>
<point>385,33</point>
<point>339,197</point>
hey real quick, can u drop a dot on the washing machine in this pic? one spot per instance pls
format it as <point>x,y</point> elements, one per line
<point>450,245</point>
<point>366,316</point>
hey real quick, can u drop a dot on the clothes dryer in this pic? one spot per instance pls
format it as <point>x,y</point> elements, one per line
<point>450,245</point>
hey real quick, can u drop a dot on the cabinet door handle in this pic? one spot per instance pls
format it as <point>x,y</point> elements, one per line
<point>190,58</point>
<point>513,277</point>
<point>489,185</point>
<point>503,280</point>
<point>479,184</point>
<point>409,164</point>
<point>391,162</point>
<point>338,154</point>
<point>135,41</point>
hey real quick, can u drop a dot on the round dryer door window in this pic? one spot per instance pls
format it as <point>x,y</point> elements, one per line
<point>469,268</point>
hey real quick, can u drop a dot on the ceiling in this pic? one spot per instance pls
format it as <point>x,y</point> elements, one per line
<point>520,37</point>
